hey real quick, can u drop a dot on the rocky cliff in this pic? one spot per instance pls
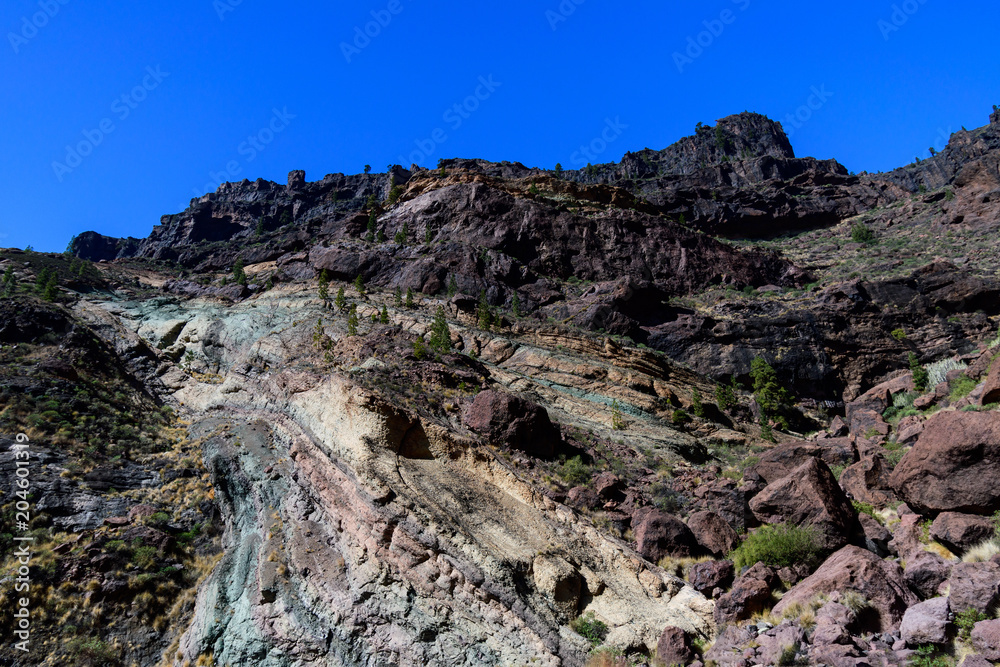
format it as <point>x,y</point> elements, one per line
<point>494,415</point>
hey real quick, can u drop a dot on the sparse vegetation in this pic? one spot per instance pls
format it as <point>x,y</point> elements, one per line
<point>590,628</point>
<point>780,545</point>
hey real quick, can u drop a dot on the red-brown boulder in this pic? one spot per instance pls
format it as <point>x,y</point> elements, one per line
<point>713,533</point>
<point>809,496</point>
<point>853,568</point>
<point>513,422</point>
<point>953,466</point>
<point>658,534</point>
<point>959,531</point>
<point>674,647</point>
<point>991,389</point>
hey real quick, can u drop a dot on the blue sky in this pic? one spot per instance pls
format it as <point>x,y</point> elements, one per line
<point>116,113</point>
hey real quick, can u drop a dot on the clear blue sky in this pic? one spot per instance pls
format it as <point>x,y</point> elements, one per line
<point>200,77</point>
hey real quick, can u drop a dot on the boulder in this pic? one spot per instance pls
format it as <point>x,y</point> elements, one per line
<point>986,639</point>
<point>747,597</point>
<point>876,536</point>
<point>773,643</point>
<point>511,421</point>
<point>953,466</point>
<point>867,481</point>
<point>926,572</point>
<point>608,486</point>
<point>991,388</point>
<point>780,461</point>
<point>658,534</point>
<point>853,568</point>
<point>809,496</point>
<point>674,647</point>
<point>926,623</point>
<point>959,531</point>
<point>582,497</point>
<point>975,661</point>
<point>974,586</point>
<point>731,645</point>
<point>909,429</point>
<point>832,620</point>
<point>713,533</point>
<point>706,577</point>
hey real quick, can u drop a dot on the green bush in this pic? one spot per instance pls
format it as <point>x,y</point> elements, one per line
<point>779,545</point>
<point>927,656</point>
<point>144,557</point>
<point>575,471</point>
<point>920,374</point>
<point>862,233</point>
<point>961,387</point>
<point>967,618</point>
<point>591,629</point>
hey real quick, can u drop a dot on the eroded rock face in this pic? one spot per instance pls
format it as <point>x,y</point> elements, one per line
<point>953,465</point>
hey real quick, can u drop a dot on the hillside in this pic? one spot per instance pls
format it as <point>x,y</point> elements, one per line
<point>710,404</point>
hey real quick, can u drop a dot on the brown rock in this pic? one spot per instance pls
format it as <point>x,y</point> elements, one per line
<point>975,661</point>
<point>852,568</point>
<point>926,572</point>
<point>747,597</point>
<point>713,533</point>
<point>658,534</point>
<point>868,424</point>
<point>809,496</point>
<point>582,497</point>
<point>674,647</point>
<point>706,577</point>
<point>909,429</point>
<point>926,623</point>
<point>608,486</point>
<point>876,536</point>
<point>953,466</point>
<point>974,586</point>
<point>511,421</point>
<point>779,461</point>
<point>867,480</point>
<point>959,532</point>
<point>991,389</point>
<point>986,639</point>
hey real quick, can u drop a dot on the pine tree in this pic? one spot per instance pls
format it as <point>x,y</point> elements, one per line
<point>440,332</point>
<point>697,408</point>
<point>324,288</point>
<point>352,320</point>
<point>259,231</point>
<point>483,312</point>
<point>409,297</point>
<point>428,235</point>
<point>51,289</point>
<point>286,219</point>
<point>41,280</point>
<point>397,298</point>
<point>559,170</point>
<point>359,285</point>
<point>394,194</point>
<point>372,224</point>
<point>452,286</point>
<point>9,281</point>
<point>515,305</point>
<point>340,303</point>
<point>920,374</point>
<point>384,316</point>
<point>381,236</point>
<point>368,169</point>
<point>239,275</point>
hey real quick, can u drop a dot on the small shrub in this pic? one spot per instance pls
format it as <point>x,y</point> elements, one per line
<point>938,371</point>
<point>899,334</point>
<point>927,656</point>
<point>779,545</point>
<point>961,387</point>
<point>144,557</point>
<point>921,377</point>
<point>696,405</point>
<point>862,233</point>
<point>575,471</point>
<point>590,628</point>
<point>864,508</point>
<point>617,420</point>
<point>680,417</point>
<point>983,551</point>
<point>967,618</point>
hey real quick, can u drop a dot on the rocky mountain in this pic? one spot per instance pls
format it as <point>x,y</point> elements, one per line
<point>713,404</point>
